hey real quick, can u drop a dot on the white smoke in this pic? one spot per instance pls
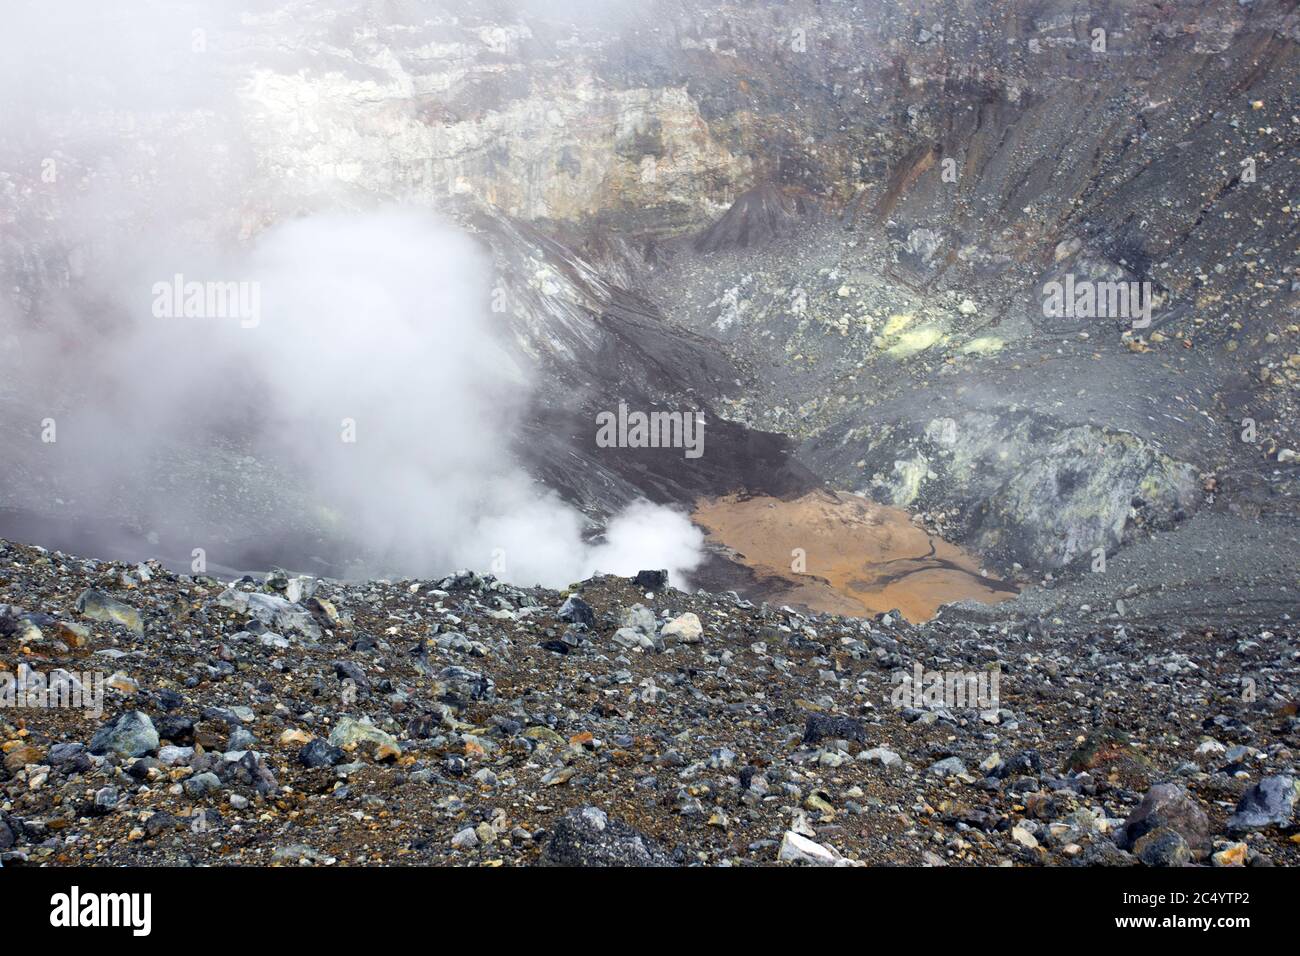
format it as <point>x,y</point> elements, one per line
<point>381,320</point>
<point>371,374</point>
<point>371,325</point>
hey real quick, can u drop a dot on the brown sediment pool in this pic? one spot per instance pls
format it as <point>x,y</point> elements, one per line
<point>842,554</point>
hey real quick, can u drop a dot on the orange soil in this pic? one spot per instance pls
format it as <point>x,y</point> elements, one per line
<point>859,558</point>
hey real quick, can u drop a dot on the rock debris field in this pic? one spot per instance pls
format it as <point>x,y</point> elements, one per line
<point>301,722</point>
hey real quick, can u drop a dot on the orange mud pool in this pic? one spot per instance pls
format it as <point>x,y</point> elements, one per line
<point>841,554</point>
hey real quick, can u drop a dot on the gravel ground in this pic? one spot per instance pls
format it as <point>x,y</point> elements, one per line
<point>297,721</point>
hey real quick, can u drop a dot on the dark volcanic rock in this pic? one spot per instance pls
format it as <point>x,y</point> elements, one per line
<point>1025,764</point>
<point>202,784</point>
<point>1168,806</point>
<point>160,823</point>
<point>320,753</point>
<point>822,726</point>
<point>1107,747</point>
<point>1163,847</point>
<point>249,771</point>
<point>467,684</point>
<point>577,611</point>
<point>651,580</point>
<point>179,730</point>
<point>63,755</point>
<point>350,670</point>
<point>589,837</point>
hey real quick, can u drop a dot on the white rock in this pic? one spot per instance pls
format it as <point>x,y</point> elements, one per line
<point>687,629</point>
<point>171,756</point>
<point>300,589</point>
<point>1024,837</point>
<point>882,756</point>
<point>631,638</point>
<point>799,849</point>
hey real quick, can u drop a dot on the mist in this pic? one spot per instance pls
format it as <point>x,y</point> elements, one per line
<point>369,373</point>
<point>353,385</point>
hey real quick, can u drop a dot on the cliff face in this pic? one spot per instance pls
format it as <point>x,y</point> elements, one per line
<point>1155,140</point>
<point>665,111</point>
<point>1015,127</point>
<point>516,114</point>
<point>1126,126</point>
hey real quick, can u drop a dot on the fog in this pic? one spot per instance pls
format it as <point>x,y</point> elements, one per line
<point>350,355</point>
